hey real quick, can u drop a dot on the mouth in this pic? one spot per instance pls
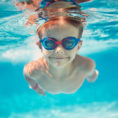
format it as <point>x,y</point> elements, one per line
<point>59,57</point>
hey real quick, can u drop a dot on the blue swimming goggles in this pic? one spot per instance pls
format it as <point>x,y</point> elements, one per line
<point>68,43</point>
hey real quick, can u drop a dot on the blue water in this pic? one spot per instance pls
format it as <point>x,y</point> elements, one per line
<point>92,100</point>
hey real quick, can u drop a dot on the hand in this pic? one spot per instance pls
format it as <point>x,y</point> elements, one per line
<point>34,85</point>
<point>93,77</point>
<point>41,92</point>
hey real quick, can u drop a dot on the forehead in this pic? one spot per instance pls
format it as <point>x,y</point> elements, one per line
<point>60,31</point>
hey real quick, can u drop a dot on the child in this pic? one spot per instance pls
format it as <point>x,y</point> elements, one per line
<point>61,69</point>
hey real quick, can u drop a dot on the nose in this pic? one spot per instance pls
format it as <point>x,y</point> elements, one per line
<point>59,50</point>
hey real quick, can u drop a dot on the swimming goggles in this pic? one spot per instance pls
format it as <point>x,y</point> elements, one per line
<point>68,43</point>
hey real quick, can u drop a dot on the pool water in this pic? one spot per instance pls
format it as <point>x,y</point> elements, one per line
<point>92,100</point>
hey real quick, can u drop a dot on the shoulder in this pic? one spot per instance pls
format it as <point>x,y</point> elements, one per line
<point>89,65</point>
<point>33,68</point>
<point>86,64</point>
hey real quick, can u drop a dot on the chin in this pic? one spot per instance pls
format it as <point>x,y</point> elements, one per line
<point>59,63</point>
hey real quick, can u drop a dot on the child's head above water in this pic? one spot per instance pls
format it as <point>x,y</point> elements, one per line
<point>60,28</point>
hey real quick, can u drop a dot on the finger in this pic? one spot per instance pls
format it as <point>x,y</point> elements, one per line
<point>42,92</point>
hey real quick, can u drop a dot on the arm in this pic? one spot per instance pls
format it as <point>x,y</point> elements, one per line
<point>34,85</point>
<point>92,73</point>
<point>91,77</point>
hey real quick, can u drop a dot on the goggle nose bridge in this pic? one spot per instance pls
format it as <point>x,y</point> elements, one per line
<point>58,42</point>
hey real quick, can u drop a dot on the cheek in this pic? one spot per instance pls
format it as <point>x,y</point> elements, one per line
<point>73,52</point>
<point>76,50</point>
<point>46,53</point>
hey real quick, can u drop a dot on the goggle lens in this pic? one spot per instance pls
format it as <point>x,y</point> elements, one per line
<point>68,43</point>
<point>49,43</point>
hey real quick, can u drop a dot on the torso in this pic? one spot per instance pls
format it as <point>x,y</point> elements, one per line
<point>69,85</point>
<point>54,86</point>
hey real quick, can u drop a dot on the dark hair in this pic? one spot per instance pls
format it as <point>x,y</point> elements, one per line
<point>54,21</point>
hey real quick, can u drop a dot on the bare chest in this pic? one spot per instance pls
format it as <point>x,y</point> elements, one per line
<point>57,85</point>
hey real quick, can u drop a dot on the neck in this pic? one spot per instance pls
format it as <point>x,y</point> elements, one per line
<point>62,72</point>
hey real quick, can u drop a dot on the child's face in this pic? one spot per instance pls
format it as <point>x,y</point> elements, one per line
<point>59,56</point>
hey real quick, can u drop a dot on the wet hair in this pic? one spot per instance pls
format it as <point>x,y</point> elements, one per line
<point>47,13</point>
<point>55,21</point>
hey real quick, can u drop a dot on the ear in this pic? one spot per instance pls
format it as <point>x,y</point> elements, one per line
<point>39,44</point>
<point>80,44</point>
